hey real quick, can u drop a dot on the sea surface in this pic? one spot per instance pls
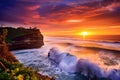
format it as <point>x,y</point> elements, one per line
<point>101,55</point>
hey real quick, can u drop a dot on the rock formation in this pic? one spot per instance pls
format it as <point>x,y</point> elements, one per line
<point>22,38</point>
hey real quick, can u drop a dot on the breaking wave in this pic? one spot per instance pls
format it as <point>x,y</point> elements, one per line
<point>71,64</point>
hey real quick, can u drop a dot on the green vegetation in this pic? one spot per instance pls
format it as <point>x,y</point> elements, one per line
<point>4,53</point>
<point>16,32</point>
<point>15,71</point>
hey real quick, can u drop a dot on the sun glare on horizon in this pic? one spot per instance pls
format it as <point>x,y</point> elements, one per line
<point>84,33</point>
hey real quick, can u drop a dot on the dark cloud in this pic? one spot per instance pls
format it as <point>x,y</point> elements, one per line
<point>15,10</point>
<point>52,12</point>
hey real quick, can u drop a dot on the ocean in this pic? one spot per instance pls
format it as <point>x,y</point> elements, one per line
<point>94,56</point>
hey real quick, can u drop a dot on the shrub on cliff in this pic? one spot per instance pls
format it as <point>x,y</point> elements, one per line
<point>4,53</point>
<point>15,71</point>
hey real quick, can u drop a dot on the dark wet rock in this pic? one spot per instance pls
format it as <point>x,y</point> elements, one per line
<point>28,41</point>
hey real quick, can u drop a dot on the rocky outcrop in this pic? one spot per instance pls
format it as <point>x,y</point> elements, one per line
<point>21,38</point>
<point>28,41</point>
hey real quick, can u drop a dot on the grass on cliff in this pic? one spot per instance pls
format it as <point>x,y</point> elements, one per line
<point>15,71</point>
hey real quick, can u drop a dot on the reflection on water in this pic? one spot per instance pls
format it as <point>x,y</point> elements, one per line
<point>104,54</point>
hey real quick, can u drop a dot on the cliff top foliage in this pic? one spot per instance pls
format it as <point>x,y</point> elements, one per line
<point>15,71</point>
<point>20,31</point>
<point>4,53</point>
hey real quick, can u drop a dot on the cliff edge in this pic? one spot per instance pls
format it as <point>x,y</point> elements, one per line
<point>21,38</point>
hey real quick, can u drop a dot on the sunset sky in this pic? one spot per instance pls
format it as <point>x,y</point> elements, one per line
<point>63,17</point>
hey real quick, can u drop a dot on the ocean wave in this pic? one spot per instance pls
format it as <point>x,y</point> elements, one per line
<point>91,47</point>
<point>71,64</point>
<point>115,46</point>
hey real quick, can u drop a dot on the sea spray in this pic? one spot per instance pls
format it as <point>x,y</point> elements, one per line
<point>71,64</point>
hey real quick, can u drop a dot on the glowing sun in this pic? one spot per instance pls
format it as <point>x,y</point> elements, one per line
<point>84,33</point>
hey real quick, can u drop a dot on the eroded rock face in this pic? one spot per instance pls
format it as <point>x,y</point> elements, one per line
<point>27,41</point>
<point>23,38</point>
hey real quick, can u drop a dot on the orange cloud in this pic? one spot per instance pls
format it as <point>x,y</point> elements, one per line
<point>63,16</point>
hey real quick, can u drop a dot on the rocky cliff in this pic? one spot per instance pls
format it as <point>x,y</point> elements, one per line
<point>22,38</point>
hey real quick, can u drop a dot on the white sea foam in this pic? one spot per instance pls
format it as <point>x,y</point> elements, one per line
<point>70,64</point>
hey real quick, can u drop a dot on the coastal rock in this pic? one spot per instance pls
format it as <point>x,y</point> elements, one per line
<point>22,38</point>
<point>27,41</point>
